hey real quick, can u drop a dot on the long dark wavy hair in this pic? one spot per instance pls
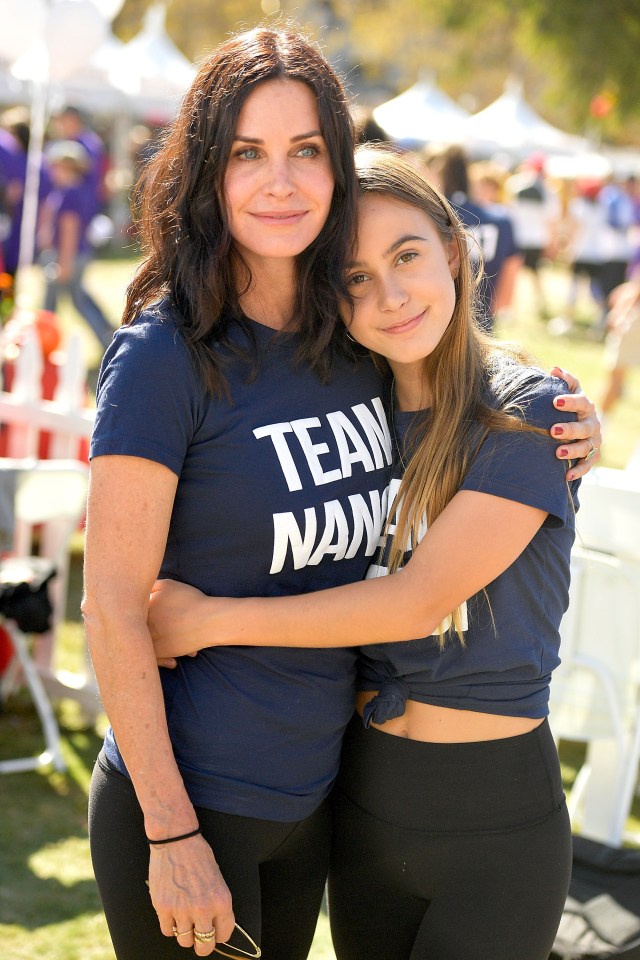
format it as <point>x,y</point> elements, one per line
<point>186,245</point>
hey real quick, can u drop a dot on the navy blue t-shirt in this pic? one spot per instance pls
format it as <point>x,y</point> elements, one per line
<point>281,491</point>
<point>511,633</point>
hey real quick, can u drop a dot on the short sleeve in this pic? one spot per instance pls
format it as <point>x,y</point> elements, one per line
<point>148,398</point>
<point>522,465</point>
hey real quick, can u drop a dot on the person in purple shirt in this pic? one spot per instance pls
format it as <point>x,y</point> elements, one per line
<point>70,124</point>
<point>12,174</point>
<point>14,145</point>
<point>65,250</point>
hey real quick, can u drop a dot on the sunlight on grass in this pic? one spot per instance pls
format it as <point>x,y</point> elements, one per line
<point>68,861</point>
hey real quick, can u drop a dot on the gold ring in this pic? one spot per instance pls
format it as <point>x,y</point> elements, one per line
<point>593,450</point>
<point>204,936</point>
<point>181,933</point>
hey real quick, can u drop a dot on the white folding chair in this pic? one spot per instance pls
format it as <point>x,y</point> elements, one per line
<point>51,495</point>
<point>595,693</point>
<point>609,516</point>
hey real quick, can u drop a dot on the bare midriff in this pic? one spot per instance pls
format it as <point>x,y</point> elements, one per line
<point>424,721</point>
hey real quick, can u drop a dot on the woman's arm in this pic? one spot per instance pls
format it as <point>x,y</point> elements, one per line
<point>574,436</point>
<point>130,501</point>
<point>475,538</point>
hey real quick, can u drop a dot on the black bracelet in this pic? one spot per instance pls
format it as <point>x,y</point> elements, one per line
<point>183,836</point>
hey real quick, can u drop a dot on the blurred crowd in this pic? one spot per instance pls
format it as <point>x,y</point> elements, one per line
<point>520,220</point>
<point>75,194</point>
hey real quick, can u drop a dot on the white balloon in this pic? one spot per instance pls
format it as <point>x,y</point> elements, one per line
<point>109,8</point>
<point>74,31</point>
<point>22,22</point>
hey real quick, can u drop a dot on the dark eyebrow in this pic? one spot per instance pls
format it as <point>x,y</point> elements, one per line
<point>407,238</point>
<point>296,139</point>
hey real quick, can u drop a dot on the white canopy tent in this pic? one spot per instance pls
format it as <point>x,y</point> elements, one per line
<point>146,77</point>
<point>510,125</point>
<point>151,69</point>
<point>422,114</point>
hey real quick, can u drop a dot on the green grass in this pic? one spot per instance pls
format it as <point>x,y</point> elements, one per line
<point>49,905</point>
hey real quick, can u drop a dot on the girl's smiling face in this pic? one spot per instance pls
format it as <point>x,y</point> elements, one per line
<point>402,282</point>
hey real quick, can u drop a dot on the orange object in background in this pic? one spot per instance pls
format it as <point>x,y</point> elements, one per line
<point>48,328</point>
<point>46,323</point>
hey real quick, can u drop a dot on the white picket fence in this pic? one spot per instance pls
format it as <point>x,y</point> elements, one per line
<point>68,420</point>
<point>66,416</point>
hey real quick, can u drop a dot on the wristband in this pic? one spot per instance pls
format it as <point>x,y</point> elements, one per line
<point>183,836</point>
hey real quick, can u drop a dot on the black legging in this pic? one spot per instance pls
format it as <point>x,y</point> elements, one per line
<point>276,873</point>
<point>448,851</point>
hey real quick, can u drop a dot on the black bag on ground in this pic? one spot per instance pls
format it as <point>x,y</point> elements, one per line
<point>24,593</point>
<point>601,917</point>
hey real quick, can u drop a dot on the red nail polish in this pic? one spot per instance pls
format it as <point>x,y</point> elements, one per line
<point>563,452</point>
<point>558,431</point>
<point>560,402</point>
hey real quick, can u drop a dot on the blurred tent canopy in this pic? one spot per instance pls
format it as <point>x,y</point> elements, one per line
<point>510,124</point>
<point>422,114</point>
<point>145,77</point>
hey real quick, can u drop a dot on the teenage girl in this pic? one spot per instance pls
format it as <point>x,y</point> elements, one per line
<point>452,838</point>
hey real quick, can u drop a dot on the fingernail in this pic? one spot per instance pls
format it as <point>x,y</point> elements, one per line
<point>563,452</point>
<point>560,402</point>
<point>558,431</point>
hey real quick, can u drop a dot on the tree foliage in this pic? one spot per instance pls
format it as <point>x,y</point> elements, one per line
<point>567,52</point>
<point>581,48</point>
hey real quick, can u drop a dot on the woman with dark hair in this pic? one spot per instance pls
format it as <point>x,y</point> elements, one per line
<point>240,446</point>
<point>225,454</point>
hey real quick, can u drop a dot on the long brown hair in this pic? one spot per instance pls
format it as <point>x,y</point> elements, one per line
<point>466,366</point>
<point>182,220</point>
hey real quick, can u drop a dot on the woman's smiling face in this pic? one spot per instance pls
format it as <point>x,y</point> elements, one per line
<point>279,181</point>
<point>401,279</point>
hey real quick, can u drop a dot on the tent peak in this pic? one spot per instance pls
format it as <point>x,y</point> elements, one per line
<point>514,87</point>
<point>155,18</point>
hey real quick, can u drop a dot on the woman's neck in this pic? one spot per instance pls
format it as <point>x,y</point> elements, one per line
<point>270,297</point>
<point>410,386</point>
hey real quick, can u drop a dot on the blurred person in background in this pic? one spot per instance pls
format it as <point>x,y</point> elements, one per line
<point>71,124</point>
<point>14,146</point>
<point>536,211</point>
<point>585,228</point>
<point>618,199</point>
<point>488,190</point>
<point>496,249</point>
<point>65,251</point>
<point>622,349</point>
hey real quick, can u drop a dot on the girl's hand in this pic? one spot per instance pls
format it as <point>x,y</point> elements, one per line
<point>182,620</point>
<point>581,439</point>
<point>173,621</point>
